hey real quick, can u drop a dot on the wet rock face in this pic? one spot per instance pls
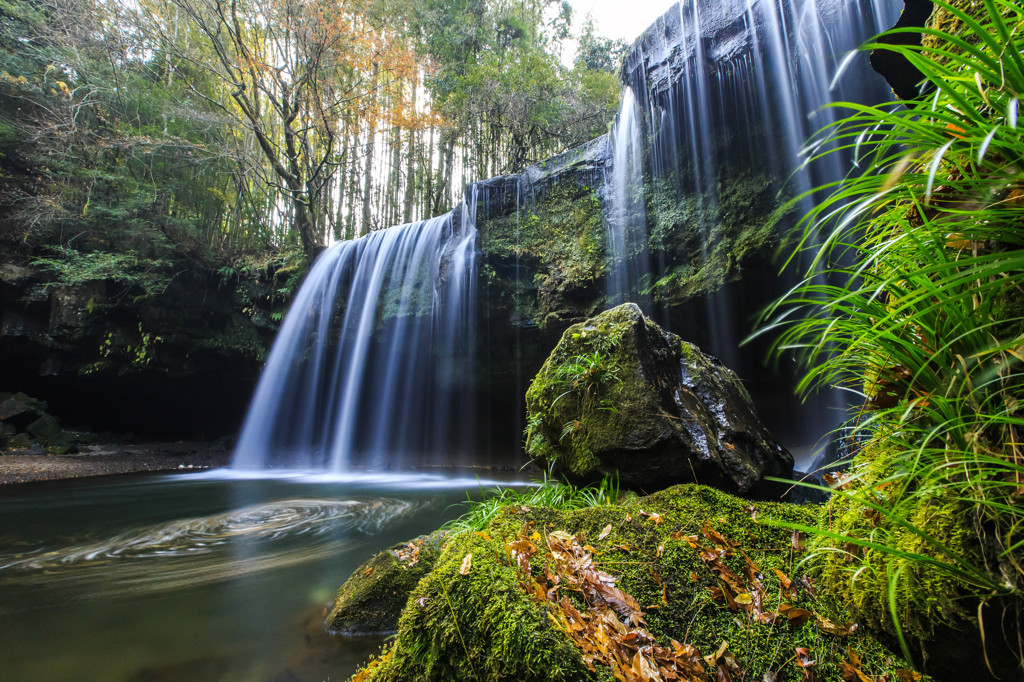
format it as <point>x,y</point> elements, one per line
<point>621,396</point>
<point>178,364</point>
<point>725,34</point>
<point>903,77</point>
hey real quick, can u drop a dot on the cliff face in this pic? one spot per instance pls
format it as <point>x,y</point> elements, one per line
<point>178,360</point>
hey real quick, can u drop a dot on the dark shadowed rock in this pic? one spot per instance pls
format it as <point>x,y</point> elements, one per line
<point>621,396</point>
<point>373,597</point>
<point>19,410</point>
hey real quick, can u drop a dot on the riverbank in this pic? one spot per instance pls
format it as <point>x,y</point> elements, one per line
<point>26,466</point>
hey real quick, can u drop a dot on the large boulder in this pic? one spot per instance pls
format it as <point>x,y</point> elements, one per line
<point>619,395</point>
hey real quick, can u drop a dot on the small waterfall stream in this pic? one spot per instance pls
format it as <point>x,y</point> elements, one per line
<point>627,214</point>
<point>373,363</point>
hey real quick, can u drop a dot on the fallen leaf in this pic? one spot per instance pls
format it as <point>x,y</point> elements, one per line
<point>604,532</point>
<point>560,535</point>
<point>825,625</point>
<point>484,535</point>
<point>783,578</point>
<point>797,539</point>
<point>712,659</point>
<point>798,617</point>
<point>852,674</point>
<point>467,563</point>
<point>908,676</point>
<point>744,598</point>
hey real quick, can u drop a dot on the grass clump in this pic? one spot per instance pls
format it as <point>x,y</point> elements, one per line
<point>913,302</point>
<point>547,493</point>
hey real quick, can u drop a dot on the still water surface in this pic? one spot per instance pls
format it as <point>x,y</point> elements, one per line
<point>198,577</point>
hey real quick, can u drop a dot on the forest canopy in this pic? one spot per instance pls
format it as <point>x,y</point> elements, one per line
<point>206,128</point>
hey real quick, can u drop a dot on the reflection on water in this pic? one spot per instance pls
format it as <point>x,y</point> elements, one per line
<point>201,577</point>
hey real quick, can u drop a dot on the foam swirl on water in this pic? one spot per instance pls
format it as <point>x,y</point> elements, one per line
<point>198,550</point>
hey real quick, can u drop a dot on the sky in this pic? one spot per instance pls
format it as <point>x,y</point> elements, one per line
<point>624,19</point>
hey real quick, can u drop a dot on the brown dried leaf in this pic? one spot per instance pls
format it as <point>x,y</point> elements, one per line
<point>908,676</point>
<point>483,535</point>
<point>825,625</point>
<point>798,617</point>
<point>784,579</point>
<point>467,564</point>
<point>604,532</point>
<point>797,540</point>
<point>852,674</point>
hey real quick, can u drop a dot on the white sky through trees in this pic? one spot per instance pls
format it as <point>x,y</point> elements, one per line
<point>624,19</point>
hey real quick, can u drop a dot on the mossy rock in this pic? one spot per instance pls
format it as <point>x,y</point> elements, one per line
<point>894,592</point>
<point>20,410</point>
<point>620,396</point>
<point>473,617</point>
<point>372,599</point>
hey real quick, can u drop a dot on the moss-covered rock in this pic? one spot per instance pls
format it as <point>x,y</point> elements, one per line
<point>372,599</point>
<point>913,589</point>
<point>621,396</point>
<point>482,615</point>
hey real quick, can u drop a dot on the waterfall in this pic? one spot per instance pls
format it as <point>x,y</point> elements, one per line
<point>627,218</point>
<point>372,363</point>
<point>731,90</point>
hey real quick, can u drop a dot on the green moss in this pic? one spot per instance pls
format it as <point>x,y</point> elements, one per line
<point>372,599</point>
<point>859,578</point>
<point>483,626</point>
<point>570,415</point>
<point>478,626</point>
<point>562,242</point>
<point>704,240</point>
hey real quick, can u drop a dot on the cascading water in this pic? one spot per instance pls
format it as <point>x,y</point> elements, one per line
<point>731,90</point>
<point>627,217</point>
<point>372,363</point>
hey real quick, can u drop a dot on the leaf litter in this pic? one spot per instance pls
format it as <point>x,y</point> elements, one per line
<point>607,624</point>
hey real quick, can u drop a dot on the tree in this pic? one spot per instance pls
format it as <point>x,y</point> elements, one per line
<point>290,71</point>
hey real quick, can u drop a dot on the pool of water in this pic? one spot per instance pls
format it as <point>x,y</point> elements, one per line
<point>199,577</point>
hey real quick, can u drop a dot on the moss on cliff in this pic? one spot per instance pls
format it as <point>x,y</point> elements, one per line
<point>561,242</point>
<point>478,615</point>
<point>705,239</point>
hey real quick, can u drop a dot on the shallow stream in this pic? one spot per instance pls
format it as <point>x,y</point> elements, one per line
<point>198,577</point>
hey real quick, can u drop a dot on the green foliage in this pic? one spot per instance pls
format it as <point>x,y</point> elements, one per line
<point>913,301</point>
<point>547,493</point>
<point>73,267</point>
<point>497,79</point>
